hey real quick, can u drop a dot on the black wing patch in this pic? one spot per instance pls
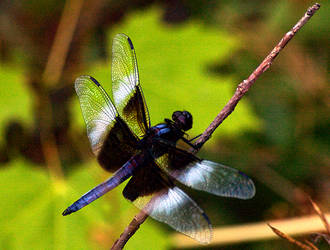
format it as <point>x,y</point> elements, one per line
<point>146,180</point>
<point>126,88</point>
<point>150,190</point>
<point>118,147</point>
<point>111,139</point>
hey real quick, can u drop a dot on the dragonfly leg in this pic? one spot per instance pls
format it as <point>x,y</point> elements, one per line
<point>195,137</point>
<point>189,142</point>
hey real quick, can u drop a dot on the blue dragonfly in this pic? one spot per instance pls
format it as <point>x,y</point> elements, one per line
<point>125,143</point>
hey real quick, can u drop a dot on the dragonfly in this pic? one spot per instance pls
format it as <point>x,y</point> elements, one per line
<point>125,143</point>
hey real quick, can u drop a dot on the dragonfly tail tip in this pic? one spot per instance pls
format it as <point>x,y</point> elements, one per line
<point>67,212</point>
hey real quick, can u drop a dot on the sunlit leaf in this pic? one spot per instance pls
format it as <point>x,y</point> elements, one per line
<point>173,64</point>
<point>16,99</point>
<point>30,214</point>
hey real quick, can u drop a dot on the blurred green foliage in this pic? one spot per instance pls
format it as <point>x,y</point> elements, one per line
<point>180,80</point>
<point>16,102</point>
<point>31,214</point>
<point>191,55</point>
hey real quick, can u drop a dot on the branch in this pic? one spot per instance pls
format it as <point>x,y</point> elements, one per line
<point>316,236</point>
<point>242,88</point>
<point>51,76</point>
<point>62,40</point>
<point>245,85</point>
<point>292,240</point>
<point>322,216</point>
<point>130,230</point>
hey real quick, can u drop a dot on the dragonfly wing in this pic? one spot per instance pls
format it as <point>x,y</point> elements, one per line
<point>126,88</point>
<point>111,139</point>
<point>150,191</point>
<point>206,175</point>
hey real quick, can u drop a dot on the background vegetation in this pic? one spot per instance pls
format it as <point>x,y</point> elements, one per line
<point>191,56</point>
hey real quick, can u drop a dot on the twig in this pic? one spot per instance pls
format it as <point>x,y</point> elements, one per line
<point>290,239</point>
<point>62,40</point>
<point>322,216</point>
<point>245,85</point>
<point>51,75</point>
<point>130,230</point>
<point>311,244</point>
<point>242,88</point>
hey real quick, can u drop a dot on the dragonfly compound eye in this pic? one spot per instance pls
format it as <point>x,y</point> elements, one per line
<point>183,120</point>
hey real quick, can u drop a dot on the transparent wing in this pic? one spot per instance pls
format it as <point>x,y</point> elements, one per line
<point>126,88</point>
<point>163,201</point>
<point>110,138</point>
<point>206,175</point>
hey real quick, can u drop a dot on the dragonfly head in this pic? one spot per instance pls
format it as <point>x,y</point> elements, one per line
<point>182,120</point>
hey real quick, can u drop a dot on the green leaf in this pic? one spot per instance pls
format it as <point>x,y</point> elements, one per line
<point>30,214</point>
<point>173,63</point>
<point>16,102</point>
